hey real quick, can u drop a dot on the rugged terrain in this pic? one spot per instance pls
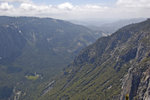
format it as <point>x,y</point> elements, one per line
<point>110,69</point>
<point>33,50</point>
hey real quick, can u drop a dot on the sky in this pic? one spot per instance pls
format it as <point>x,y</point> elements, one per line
<point>78,2</point>
<point>77,9</point>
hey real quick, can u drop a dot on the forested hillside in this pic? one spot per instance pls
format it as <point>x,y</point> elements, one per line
<point>112,68</point>
<point>33,50</point>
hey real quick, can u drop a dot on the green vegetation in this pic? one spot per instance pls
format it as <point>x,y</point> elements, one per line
<point>31,77</point>
<point>42,45</point>
<point>5,92</point>
<point>97,73</point>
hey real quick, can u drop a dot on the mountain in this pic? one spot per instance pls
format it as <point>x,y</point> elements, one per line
<point>113,68</point>
<point>33,50</point>
<point>111,27</point>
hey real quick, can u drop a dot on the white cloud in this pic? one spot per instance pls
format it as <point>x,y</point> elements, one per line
<point>15,1</point>
<point>134,3</point>
<point>63,11</point>
<point>28,7</point>
<point>121,9</point>
<point>65,6</point>
<point>5,6</point>
<point>133,8</point>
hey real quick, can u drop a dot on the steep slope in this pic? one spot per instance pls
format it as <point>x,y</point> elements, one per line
<point>32,48</point>
<point>112,68</point>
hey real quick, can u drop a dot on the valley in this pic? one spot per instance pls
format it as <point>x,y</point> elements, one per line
<point>51,59</point>
<point>74,50</point>
<point>112,68</point>
<point>33,50</point>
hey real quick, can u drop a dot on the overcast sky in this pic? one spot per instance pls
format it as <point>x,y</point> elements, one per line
<point>77,9</point>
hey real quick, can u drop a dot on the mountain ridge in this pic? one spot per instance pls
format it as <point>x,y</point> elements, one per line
<point>99,71</point>
<point>33,50</point>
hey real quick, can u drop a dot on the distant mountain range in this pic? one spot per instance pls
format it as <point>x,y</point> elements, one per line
<point>32,48</point>
<point>51,59</point>
<point>108,26</point>
<point>113,68</point>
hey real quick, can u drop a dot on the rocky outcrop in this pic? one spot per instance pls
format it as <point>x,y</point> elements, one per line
<point>136,81</point>
<point>114,67</point>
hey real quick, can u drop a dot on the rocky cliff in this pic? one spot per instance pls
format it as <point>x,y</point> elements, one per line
<point>114,67</point>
